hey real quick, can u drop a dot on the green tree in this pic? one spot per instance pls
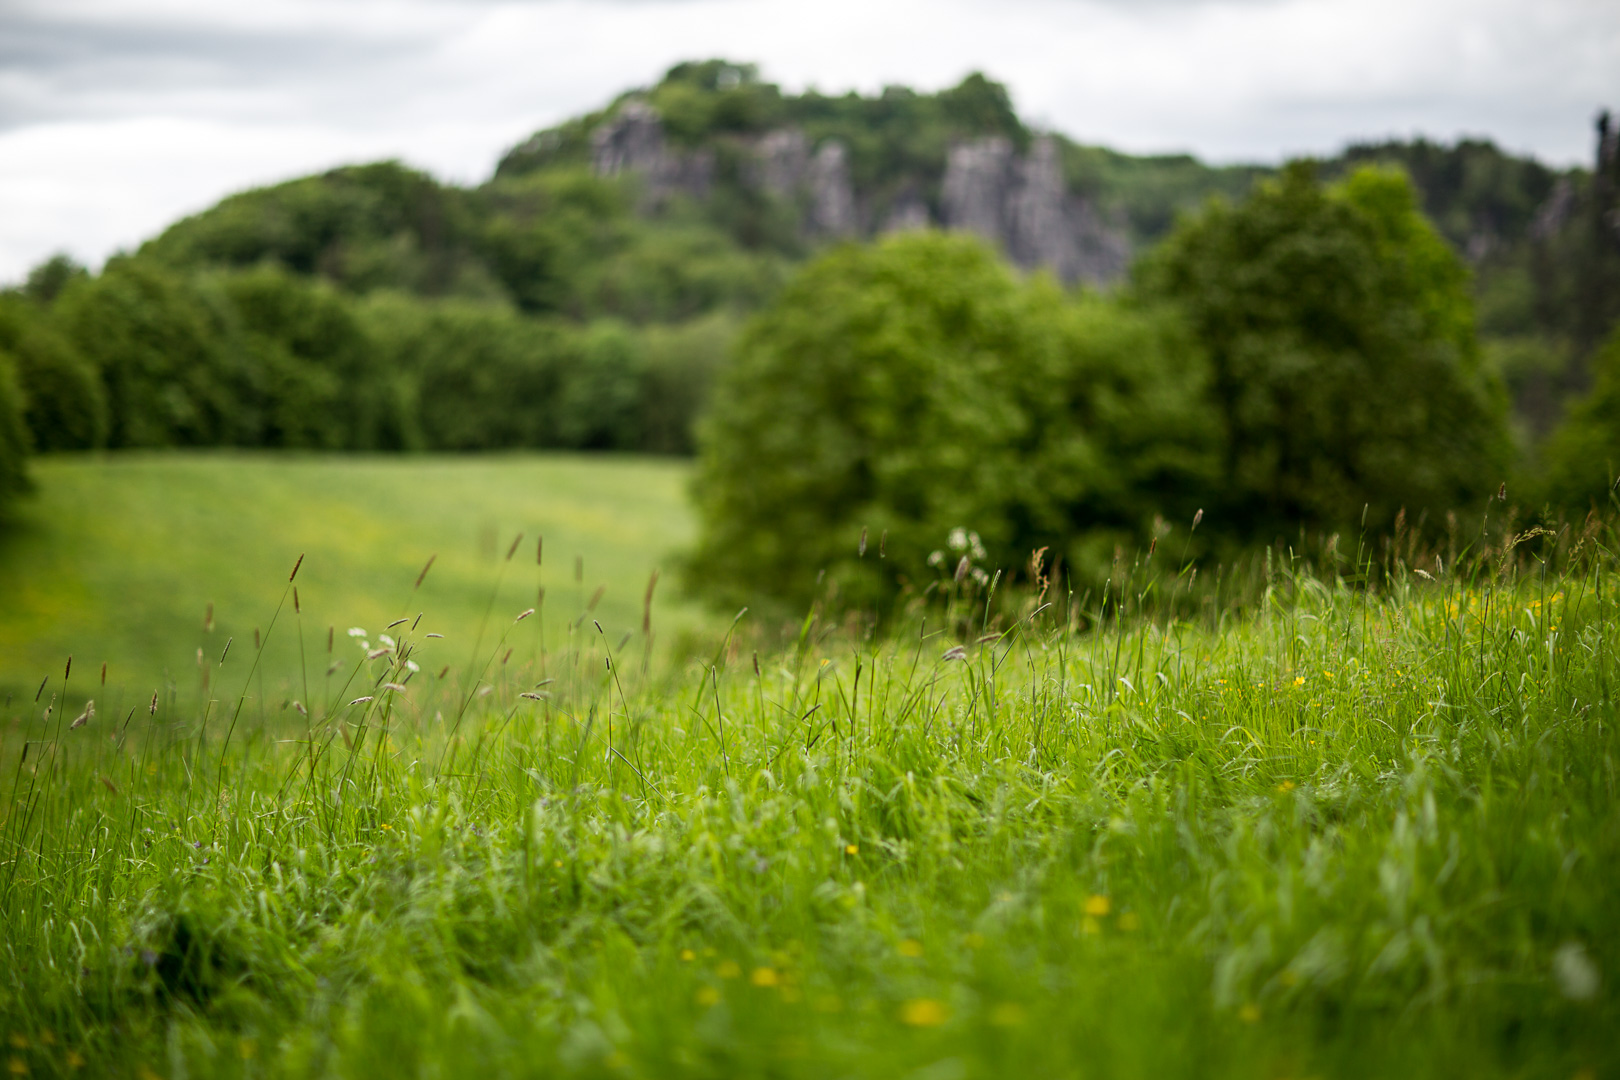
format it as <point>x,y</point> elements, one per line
<point>164,350</point>
<point>1346,373</point>
<point>47,280</point>
<point>66,404</point>
<point>481,376</point>
<point>915,386</point>
<point>363,226</point>
<point>600,390</point>
<point>1583,455</point>
<point>13,436</point>
<point>316,379</point>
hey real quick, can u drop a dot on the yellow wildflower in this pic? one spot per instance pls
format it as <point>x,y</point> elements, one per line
<point>923,1012</point>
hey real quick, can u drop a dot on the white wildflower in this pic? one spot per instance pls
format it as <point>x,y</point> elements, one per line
<point>1575,972</point>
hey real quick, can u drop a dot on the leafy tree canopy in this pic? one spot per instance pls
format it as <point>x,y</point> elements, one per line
<point>1583,456</point>
<point>1345,368</point>
<point>14,442</point>
<point>915,386</point>
<point>65,405</point>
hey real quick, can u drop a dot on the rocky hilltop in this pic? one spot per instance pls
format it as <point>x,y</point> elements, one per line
<point>701,193</point>
<point>1017,201</point>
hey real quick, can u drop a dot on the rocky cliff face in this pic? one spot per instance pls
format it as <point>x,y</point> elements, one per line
<point>1022,205</point>
<point>785,167</point>
<point>633,142</point>
<point>1019,203</point>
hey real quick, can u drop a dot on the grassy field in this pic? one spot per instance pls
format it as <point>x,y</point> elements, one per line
<point>118,559</point>
<point>1341,832</point>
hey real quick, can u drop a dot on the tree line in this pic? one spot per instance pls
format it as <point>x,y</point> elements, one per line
<point>142,356</point>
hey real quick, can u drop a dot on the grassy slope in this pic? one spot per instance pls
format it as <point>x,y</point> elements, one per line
<point>117,558</point>
<point>1343,836</point>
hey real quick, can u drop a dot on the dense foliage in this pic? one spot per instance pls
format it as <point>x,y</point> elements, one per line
<point>14,442</point>
<point>1583,458</point>
<point>1324,375</point>
<point>66,406</point>
<point>143,355</point>
<point>897,391</point>
<point>1345,370</point>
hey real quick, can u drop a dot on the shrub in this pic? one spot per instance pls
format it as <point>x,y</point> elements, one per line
<point>66,405</point>
<point>914,386</point>
<point>1345,368</point>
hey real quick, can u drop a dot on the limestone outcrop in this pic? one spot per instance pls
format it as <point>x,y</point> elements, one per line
<point>832,196</point>
<point>633,142</point>
<point>1020,203</point>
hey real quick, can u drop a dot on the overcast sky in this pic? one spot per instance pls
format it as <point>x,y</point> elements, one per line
<point>117,116</point>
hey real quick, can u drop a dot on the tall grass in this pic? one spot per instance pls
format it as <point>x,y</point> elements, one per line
<point>1316,827</point>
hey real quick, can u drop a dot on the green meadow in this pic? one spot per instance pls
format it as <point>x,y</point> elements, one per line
<point>1356,820</point>
<point>118,559</point>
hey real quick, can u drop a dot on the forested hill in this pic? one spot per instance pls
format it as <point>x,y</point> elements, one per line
<point>698,192</point>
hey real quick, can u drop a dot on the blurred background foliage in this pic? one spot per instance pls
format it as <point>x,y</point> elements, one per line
<point>1403,326</point>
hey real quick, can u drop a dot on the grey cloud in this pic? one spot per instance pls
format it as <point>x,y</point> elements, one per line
<point>57,65</point>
